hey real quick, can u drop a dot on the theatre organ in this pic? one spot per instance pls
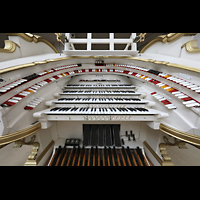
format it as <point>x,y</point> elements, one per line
<point>99,108</point>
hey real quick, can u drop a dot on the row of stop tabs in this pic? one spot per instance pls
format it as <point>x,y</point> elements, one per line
<point>187,100</point>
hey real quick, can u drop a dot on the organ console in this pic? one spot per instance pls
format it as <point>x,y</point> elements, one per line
<point>99,108</point>
<point>99,111</point>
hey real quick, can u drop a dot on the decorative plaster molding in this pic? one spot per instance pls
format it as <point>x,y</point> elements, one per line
<point>10,47</point>
<point>191,46</point>
<point>165,38</point>
<point>33,38</point>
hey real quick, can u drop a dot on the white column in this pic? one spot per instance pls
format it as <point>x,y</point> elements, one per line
<point>89,41</point>
<point>112,41</point>
<point>133,45</point>
<point>67,46</point>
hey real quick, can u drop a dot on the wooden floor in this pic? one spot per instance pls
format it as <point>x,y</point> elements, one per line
<point>94,156</point>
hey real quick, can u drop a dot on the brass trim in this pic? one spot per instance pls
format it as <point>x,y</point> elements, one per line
<point>191,46</point>
<point>31,158</point>
<point>165,38</point>
<point>36,38</point>
<point>12,137</point>
<point>21,66</point>
<point>16,67</point>
<point>168,64</point>
<point>39,158</point>
<point>9,47</point>
<point>100,57</point>
<point>153,152</point>
<point>187,137</point>
<point>167,160</point>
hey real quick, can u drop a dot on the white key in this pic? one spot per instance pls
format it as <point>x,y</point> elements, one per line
<point>3,90</point>
<point>20,81</point>
<point>120,112</point>
<point>175,79</point>
<point>162,85</point>
<point>186,84</point>
<point>169,105</point>
<point>80,111</point>
<point>25,92</point>
<point>16,98</point>
<point>155,95</point>
<point>183,96</point>
<point>36,101</point>
<point>195,88</point>
<point>33,103</point>
<point>129,111</point>
<point>6,88</point>
<point>107,111</point>
<point>35,88</point>
<point>176,92</point>
<point>32,90</point>
<point>12,100</point>
<point>166,88</point>
<point>192,105</point>
<point>14,84</point>
<point>102,111</point>
<point>170,78</point>
<point>162,99</point>
<point>179,81</point>
<point>39,99</point>
<point>93,111</point>
<point>172,107</point>
<point>68,111</point>
<point>158,84</point>
<point>89,111</point>
<point>98,111</point>
<point>77,111</point>
<point>32,106</point>
<point>161,74</point>
<point>189,102</point>
<point>158,97</point>
<point>182,81</point>
<point>191,86</point>
<point>112,111</point>
<point>11,86</point>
